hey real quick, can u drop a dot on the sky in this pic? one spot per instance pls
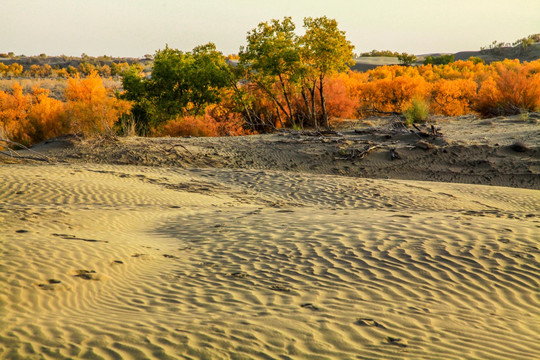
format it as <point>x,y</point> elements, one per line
<point>134,28</point>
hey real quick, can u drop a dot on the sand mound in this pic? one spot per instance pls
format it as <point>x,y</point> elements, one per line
<point>468,151</point>
<point>134,262</point>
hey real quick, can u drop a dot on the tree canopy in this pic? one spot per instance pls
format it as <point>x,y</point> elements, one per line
<point>282,63</point>
<point>181,83</point>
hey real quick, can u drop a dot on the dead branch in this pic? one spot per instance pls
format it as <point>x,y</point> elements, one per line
<point>320,133</point>
<point>357,154</point>
<point>14,154</point>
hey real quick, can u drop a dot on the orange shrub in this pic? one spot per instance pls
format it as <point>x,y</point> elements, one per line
<point>190,126</point>
<point>47,117</point>
<point>392,95</point>
<point>31,118</point>
<point>512,89</point>
<point>91,107</point>
<point>217,121</point>
<point>340,99</point>
<point>452,97</point>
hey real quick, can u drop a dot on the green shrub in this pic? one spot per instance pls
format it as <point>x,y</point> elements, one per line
<point>417,112</point>
<point>439,60</point>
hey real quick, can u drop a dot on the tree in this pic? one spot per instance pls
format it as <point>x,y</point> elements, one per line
<point>406,59</point>
<point>272,57</point>
<point>325,50</point>
<point>439,60</point>
<point>15,69</point>
<point>181,83</point>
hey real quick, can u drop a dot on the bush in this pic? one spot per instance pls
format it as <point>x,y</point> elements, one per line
<point>215,122</point>
<point>92,108</point>
<point>452,97</point>
<point>513,89</point>
<point>439,60</point>
<point>31,118</point>
<point>417,112</point>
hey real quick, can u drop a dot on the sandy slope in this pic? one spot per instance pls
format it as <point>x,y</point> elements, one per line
<point>134,262</point>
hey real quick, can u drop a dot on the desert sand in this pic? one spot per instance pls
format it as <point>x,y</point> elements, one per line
<point>241,248</point>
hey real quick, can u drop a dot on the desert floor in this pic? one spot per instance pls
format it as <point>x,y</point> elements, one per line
<point>275,247</point>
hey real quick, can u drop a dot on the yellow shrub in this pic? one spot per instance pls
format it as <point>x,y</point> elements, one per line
<point>91,107</point>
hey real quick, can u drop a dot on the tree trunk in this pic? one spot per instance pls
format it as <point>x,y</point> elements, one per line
<point>290,114</point>
<point>278,114</point>
<point>323,103</point>
<point>276,102</point>
<point>313,111</point>
<point>306,102</point>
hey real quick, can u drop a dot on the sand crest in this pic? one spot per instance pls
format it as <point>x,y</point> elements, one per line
<point>134,262</point>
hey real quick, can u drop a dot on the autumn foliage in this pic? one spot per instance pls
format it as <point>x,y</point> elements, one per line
<point>461,87</point>
<point>217,121</point>
<point>29,118</point>
<point>91,107</point>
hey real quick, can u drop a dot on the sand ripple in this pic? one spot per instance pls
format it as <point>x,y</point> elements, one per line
<point>119,262</point>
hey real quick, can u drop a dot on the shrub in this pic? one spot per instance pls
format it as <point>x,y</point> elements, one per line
<point>406,59</point>
<point>31,118</point>
<point>513,89</point>
<point>216,121</point>
<point>190,125</point>
<point>452,97</point>
<point>392,95</point>
<point>439,60</point>
<point>417,112</point>
<point>91,107</point>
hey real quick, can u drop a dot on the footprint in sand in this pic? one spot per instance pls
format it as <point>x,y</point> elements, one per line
<point>280,288</point>
<point>238,274</point>
<point>309,306</point>
<point>87,275</point>
<point>369,322</point>
<point>395,341</point>
<point>50,285</point>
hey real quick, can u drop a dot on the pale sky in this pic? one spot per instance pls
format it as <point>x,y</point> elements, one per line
<point>138,27</point>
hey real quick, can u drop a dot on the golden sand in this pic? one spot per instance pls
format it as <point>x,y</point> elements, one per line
<point>133,262</point>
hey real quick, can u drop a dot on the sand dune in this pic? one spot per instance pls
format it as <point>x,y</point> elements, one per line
<point>133,262</point>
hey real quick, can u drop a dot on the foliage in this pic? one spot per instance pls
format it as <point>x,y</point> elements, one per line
<point>439,60</point>
<point>376,53</point>
<point>391,95</point>
<point>181,83</point>
<point>91,107</point>
<point>417,112</point>
<point>452,97</point>
<point>215,122</point>
<point>476,60</point>
<point>406,59</point>
<point>513,89</point>
<point>31,118</point>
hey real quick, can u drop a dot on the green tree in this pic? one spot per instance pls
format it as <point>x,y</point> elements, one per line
<point>439,60</point>
<point>325,50</point>
<point>181,83</point>
<point>86,68</point>
<point>272,60</point>
<point>406,59</point>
